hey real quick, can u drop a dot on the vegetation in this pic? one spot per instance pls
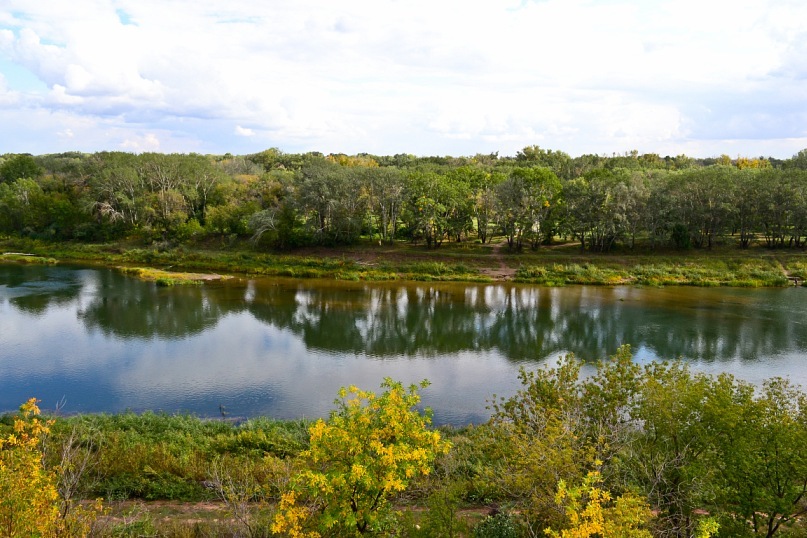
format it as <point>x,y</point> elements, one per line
<point>34,498</point>
<point>631,450</point>
<point>369,451</point>
<point>277,201</point>
<point>169,278</point>
<point>27,258</point>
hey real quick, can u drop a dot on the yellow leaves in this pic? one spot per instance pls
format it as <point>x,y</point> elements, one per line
<point>29,500</point>
<point>745,162</point>
<point>358,471</point>
<point>290,517</point>
<point>353,161</point>
<point>370,448</point>
<point>591,512</point>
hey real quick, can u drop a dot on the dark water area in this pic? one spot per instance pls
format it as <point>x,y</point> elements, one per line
<point>94,340</point>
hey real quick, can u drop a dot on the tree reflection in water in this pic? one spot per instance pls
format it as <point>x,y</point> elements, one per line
<point>284,346</point>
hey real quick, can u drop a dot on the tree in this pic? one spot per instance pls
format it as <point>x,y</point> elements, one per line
<point>19,167</point>
<point>368,451</point>
<point>331,201</point>
<point>28,496</point>
<point>668,457</point>
<point>437,207</point>
<point>200,179</point>
<point>760,451</point>
<point>21,206</point>
<point>559,162</point>
<point>543,442</point>
<point>524,202</point>
<point>597,208</point>
<point>798,161</point>
<point>593,512</point>
<point>385,188</point>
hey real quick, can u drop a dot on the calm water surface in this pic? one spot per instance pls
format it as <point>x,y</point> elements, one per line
<point>96,340</point>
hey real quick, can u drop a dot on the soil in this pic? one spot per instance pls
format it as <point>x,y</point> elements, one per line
<point>503,271</point>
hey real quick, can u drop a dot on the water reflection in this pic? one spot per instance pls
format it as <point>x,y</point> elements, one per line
<point>127,308</point>
<point>32,290</point>
<point>528,323</point>
<point>283,347</point>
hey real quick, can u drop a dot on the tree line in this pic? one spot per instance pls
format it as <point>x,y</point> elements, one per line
<point>287,200</point>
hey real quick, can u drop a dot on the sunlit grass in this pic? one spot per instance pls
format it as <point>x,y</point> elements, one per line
<point>27,258</point>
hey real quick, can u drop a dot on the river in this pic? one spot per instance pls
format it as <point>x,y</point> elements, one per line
<point>93,340</point>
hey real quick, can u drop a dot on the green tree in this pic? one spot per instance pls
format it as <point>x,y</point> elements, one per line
<point>597,207</point>
<point>798,161</point>
<point>669,457</point>
<point>368,451</point>
<point>557,161</point>
<point>437,207</point>
<point>331,201</point>
<point>386,195</point>
<point>542,441</point>
<point>19,167</point>
<point>524,202</point>
<point>760,452</point>
<point>22,206</point>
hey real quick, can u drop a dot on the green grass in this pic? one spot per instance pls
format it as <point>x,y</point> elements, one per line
<point>27,259</point>
<point>702,271</point>
<point>465,262</point>
<point>170,278</point>
<point>159,456</point>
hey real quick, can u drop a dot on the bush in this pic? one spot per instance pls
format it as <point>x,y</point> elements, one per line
<point>500,525</point>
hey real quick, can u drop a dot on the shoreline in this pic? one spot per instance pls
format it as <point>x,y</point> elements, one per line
<point>469,262</point>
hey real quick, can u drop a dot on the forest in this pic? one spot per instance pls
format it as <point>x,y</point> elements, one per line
<point>283,201</point>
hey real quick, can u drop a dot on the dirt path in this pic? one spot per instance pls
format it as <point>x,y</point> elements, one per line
<point>796,281</point>
<point>503,271</point>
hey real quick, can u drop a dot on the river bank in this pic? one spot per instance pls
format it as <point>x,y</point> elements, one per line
<point>558,265</point>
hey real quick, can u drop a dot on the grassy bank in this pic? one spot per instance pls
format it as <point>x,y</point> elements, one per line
<point>19,257</point>
<point>170,278</point>
<point>667,271</point>
<point>159,474</point>
<point>464,262</point>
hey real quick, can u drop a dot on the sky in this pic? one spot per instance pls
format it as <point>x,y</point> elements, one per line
<point>436,77</point>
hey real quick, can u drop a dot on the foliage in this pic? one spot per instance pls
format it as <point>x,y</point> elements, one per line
<point>760,451</point>
<point>28,495</point>
<point>298,200</point>
<point>710,455</point>
<point>500,525</point>
<point>542,440</point>
<point>369,450</point>
<point>19,167</point>
<point>33,500</point>
<point>592,512</point>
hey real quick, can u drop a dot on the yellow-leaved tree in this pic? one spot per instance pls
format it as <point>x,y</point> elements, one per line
<point>30,500</point>
<point>28,496</point>
<point>368,451</point>
<point>593,513</point>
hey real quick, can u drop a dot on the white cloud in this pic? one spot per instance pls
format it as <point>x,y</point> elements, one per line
<point>7,97</point>
<point>417,76</point>
<point>137,144</point>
